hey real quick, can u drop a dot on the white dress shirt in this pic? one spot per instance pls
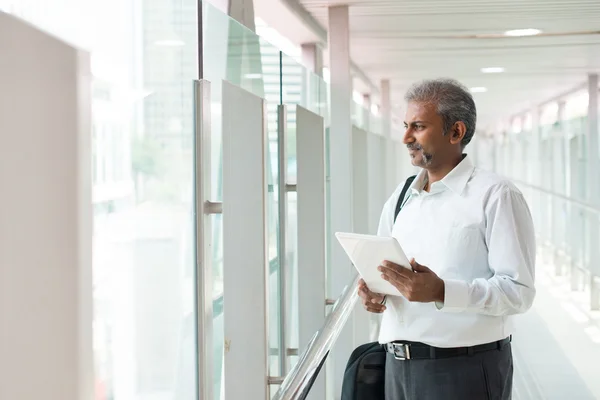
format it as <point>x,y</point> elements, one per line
<point>474,230</point>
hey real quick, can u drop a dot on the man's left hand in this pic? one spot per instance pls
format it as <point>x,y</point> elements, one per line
<point>419,285</point>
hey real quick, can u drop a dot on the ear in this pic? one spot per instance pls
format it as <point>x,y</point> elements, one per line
<point>457,133</point>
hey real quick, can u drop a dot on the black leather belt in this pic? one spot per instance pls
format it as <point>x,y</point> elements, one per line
<point>420,351</point>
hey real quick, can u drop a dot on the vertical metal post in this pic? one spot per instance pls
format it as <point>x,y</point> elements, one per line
<point>282,240</point>
<point>593,189</point>
<point>560,171</point>
<point>204,280</point>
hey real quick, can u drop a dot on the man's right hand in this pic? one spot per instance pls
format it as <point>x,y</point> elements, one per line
<point>371,301</point>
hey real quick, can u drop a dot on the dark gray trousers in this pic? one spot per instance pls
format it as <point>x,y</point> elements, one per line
<point>481,376</point>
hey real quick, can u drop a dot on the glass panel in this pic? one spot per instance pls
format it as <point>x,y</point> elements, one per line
<point>144,256</point>
<point>298,87</point>
<point>358,115</point>
<point>234,53</point>
<point>375,124</point>
<point>144,59</point>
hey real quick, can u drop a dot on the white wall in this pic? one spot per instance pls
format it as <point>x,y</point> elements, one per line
<point>45,217</point>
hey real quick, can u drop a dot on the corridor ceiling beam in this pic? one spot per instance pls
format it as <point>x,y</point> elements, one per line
<point>309,21</point>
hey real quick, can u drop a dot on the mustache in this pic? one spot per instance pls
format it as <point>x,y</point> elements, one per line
<point>414,146</point>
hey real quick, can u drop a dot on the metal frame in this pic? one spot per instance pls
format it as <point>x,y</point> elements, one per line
<point>204,279</point>
<point>282,242</point>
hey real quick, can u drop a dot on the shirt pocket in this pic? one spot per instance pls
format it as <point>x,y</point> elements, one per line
<point>462,246</point>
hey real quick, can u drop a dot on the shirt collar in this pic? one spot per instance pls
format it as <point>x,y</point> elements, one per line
<point>456,180</point>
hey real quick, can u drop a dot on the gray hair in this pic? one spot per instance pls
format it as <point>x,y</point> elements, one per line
<point>453,100</point>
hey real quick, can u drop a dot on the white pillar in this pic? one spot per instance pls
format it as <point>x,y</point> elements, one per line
<point>390,149</point>
<point>532,161</point>
<point>340,175</point>
<point>559,168</point>
<point>367,112</point>
<point>593,189</point>
<point>243,12</point>
<point>312,58</point>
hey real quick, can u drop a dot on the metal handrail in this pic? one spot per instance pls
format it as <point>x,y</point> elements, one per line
<point>299,380</point>
<point>579,203</point>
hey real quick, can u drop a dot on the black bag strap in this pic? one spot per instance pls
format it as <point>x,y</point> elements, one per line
<point>400,202</point>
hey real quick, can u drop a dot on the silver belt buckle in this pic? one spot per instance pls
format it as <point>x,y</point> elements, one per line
<point>398,355</point>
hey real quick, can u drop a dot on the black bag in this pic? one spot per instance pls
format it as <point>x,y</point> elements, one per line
<point>364,377</point>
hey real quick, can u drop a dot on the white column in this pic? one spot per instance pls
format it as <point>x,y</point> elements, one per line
<point>312,58</point>
<point>374,201</point>
<point>367,112</point>
<point>362,175</point>
<point>239,66</point>
<point>340,175</point>
<point>593,189</point>
<point>532,161</point>
<point>390,149</point>
<point>45,217</point>
<point>558,186</point>
<point>243,12</point>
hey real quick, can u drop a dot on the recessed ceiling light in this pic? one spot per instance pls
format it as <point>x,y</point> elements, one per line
<point>478,89</point>
<point>492,70</point>
<point>169,43</point>
<point>253,76</point>
<point>523,32</point>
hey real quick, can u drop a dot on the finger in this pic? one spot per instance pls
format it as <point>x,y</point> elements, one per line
<point>361,282</point>
<point>405,271</point>
<point>401,285</point>
<point>364,293</point>
<point>375,308</point>
<point>418,267</point>
<point>396,274</point>
<point>377,298</point>
<point>371,304</point>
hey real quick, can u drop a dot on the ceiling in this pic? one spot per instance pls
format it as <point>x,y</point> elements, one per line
<point>409,40</point>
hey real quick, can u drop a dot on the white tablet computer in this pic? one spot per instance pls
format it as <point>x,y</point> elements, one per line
<point>367,252</point>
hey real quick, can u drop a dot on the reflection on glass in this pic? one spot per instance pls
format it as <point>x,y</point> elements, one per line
<point>561,315</point>
<point>144,322</point>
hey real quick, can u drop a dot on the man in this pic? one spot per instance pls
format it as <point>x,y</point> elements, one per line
<point>470,236</point>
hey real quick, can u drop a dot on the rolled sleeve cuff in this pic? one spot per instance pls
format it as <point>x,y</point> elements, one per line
<point>456,296</point>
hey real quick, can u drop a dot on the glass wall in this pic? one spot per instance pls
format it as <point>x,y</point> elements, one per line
<point>550,168</point>
<point>144,58</point>
<point>234,53</point>
<point>144,61</point>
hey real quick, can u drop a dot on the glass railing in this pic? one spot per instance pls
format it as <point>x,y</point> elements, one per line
<point>376,124</point>
<point>566,313</point>
<point>298,382</point>
<point>236,54</point>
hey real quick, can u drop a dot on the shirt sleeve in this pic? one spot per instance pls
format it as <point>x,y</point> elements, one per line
<point>510,239</point>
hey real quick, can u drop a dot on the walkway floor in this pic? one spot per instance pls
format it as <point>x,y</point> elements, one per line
<point>557,344</point>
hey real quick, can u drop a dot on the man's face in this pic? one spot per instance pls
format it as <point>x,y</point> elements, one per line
<point>424,135</point>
